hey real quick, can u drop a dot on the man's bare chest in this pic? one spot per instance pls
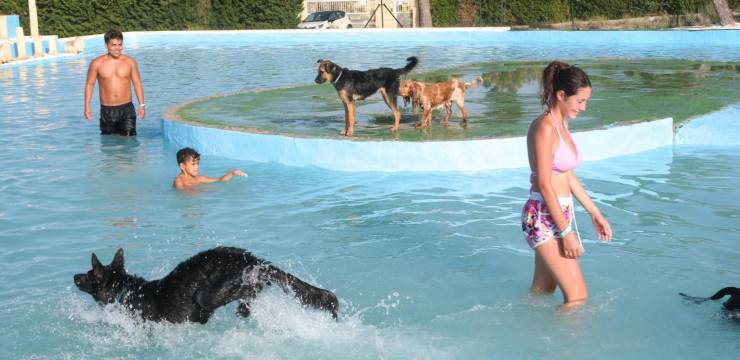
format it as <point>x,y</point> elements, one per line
<point>111,71</point>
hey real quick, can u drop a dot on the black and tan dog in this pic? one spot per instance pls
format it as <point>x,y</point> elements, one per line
<point>196,287</point>
<point>353,85</point>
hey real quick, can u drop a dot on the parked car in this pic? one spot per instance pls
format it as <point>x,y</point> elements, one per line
<point>326,20</point>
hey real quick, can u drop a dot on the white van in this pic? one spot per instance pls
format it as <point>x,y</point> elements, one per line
<point>326,20</point>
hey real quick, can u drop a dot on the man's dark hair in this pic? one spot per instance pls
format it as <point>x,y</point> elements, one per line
<point>186,153</point>
<point>113,34</point>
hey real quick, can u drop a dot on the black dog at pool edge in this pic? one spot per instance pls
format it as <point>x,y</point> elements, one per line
<point>197,286</point>
<point>353,85</point>
<point>731,305</point>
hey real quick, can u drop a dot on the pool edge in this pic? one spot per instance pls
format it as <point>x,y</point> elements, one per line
<point>395,156</point>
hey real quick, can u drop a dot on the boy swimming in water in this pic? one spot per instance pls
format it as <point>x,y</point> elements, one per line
<point>188,160</point>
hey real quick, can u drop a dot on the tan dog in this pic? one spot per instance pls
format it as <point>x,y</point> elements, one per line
<point>432,96</point>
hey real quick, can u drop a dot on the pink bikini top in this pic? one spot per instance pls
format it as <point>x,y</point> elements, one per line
<point>564,159</point>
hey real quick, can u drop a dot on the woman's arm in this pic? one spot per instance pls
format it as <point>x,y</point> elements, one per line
<point>603,230</point>
<point>580,193</point>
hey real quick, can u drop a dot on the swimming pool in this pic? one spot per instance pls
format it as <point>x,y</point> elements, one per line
<point>426,265</point>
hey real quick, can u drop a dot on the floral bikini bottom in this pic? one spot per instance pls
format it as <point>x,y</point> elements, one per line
<point>537,222</point>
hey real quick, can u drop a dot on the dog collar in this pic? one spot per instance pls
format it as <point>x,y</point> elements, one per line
<point>337,79</point>
<point>119,297</point>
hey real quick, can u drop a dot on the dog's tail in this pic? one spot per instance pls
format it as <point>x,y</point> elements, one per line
<point>732,305</point>
<point>307,293</point>
<point>410,65</point>
<point>474,83</point>
<point>718,295</point>
<point>724,292</point>
<point>694,299</point>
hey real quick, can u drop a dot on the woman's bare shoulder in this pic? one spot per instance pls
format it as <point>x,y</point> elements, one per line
<point>540,127</point>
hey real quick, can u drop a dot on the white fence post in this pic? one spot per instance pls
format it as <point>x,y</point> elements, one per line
<point>20,44</point>
<point>5,51</point>
<point>3,27</point>
<point>53,45</point>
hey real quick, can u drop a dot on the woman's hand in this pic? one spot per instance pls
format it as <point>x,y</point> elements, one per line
<point>603,230</point>
<point>571,246</point>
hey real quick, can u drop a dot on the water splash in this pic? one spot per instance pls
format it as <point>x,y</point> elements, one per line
<point>279,328</point>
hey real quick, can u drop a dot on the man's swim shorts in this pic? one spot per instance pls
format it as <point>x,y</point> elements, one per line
<point>119,119</point>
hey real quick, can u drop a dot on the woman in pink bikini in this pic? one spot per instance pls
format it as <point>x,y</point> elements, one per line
<point>552,158</point>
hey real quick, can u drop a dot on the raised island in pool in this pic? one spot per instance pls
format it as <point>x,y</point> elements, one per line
<point>299,125</point>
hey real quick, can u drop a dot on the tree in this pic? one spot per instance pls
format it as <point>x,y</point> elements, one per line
<point>723,10</point>
<point>425,13</point>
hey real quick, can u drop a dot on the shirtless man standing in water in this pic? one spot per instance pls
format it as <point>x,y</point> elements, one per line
<point>115,73</point>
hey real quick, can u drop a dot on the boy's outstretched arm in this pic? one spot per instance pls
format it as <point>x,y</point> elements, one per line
<point>232,173</point>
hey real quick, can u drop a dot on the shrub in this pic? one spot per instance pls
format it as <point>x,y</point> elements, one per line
<point>80,17</point>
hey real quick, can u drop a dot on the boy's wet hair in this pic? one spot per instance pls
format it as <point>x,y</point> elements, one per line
<point>186,153</point>
<point>113,34</point>
<point>561,76</point>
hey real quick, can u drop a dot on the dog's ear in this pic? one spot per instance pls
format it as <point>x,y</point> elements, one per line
<point>417,89</point>
<point>97,267</point>
<point>319,61</point>
<point>117,262</point>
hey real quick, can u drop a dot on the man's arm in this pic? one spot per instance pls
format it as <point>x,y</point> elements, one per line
<point>138,88</point>
<point>92,76</point>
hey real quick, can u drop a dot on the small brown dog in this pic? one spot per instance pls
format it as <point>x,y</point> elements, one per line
<point>353,85</point>
<point>432,96</point>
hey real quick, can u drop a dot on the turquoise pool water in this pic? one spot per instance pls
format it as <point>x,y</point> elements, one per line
<point>426,265</point>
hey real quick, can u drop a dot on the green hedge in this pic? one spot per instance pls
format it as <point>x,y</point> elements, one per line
<point>70,17</point>
<point>82,17</point>
<point>585,9</point>
<point>524,12</point>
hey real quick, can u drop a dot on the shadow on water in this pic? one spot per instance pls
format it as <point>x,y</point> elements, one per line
<point>119,153</point>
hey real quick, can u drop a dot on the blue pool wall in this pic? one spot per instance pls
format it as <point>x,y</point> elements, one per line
<point>29,47</point>
<point>407,36</point>
<point>12,22</point>
<point>641,40</point>
<point>719,128</point>
<point>686,38</point>
<point>395,156</point>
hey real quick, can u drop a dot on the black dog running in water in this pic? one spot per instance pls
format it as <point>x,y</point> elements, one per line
<point>197,286</point>
<point>730,305</point>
